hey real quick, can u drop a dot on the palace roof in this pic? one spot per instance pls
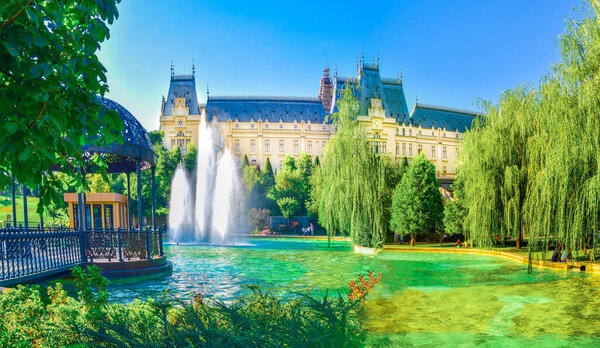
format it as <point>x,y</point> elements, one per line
<point>431,116</point>
<point>370,85</point>
<point>182,86</point>
<point>273,109</point>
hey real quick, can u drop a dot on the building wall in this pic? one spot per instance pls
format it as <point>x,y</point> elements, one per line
<point>261,140</point>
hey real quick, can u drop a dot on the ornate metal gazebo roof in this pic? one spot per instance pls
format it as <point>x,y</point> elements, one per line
<point>121,158</point>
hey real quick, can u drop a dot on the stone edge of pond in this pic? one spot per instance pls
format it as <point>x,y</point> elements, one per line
<point>573,266</point>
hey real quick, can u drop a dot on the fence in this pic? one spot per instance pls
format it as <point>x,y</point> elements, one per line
<point>27,254</point>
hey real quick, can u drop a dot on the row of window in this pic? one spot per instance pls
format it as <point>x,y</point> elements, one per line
<point>309,146</point>
<point>280,126</point>
<point>419,133</point>
<point>420,149</point>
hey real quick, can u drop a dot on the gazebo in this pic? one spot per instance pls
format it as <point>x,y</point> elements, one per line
<point>28,254</point>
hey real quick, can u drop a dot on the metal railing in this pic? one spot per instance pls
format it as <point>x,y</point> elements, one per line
<point>35,252</point>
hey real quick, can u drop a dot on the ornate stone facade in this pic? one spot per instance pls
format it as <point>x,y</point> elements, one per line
<point>273,127</point>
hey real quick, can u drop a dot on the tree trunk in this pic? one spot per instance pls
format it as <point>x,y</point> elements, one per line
<point>471,243</point>
<point>519,238</point>
<point>412,239</point>
<point>441,240</point>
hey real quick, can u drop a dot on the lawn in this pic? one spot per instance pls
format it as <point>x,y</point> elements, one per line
<point>33,217</point>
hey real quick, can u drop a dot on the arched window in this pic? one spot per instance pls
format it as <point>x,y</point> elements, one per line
<point>180,134</point>
<point>403,131</point>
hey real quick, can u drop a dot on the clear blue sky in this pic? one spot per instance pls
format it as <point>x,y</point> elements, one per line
<point>449,52</point>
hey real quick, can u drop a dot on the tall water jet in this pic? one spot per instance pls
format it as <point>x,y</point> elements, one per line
<point>204,175</point>
<point>180,206</point>
<point>223,196</point>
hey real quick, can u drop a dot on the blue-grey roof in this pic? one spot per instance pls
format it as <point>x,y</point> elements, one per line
<point>245,109</point>
<point>371,85</point>
<point>136,142</point>
<point>430,116</point>
<point>182,86</point>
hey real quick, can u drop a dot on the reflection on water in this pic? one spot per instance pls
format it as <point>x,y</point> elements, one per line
<point>423,298</point>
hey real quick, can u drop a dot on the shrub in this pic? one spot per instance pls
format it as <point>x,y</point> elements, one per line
<point>258,319</point>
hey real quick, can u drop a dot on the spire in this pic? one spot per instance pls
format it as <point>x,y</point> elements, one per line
<point>377,59</point>
<point>193,68</point>
<point>207,92</point>
<point>172,70</point>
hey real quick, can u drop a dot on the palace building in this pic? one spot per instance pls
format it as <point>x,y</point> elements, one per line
<point>272,127</point>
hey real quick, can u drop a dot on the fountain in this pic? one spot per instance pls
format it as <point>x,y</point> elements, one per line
<point>180,223</point>
<point>214,215</point>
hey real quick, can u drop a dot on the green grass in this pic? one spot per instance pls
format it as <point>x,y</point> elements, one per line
<point>33,217</point>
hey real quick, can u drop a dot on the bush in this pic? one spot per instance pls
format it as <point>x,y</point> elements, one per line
<point>258,319</point>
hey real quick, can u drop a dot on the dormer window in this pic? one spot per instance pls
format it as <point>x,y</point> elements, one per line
<point>309,126</point>
<point>237,125</point>
<point>267,125</point>
<point>252,125</point>
<point>281,125</point>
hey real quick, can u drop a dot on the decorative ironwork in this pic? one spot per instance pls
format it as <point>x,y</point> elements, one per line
<point>28,254</point>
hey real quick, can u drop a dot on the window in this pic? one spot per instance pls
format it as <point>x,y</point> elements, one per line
<point>397,131</point>
<point>457,152</point>
<point>410,149</point>
<point>309,146</point>
<point>253,161</point>
<point>403,131</point>
<point>456,135</point>
<point>252,125</point>
<point>172,142</point>
<point>309,126</point>
<point>432,151</point>
<point>419,132</point>
<point>281,125</point>
<point>420,149</point>
<point>410,132</point>
<point>267,146</point>
<point>236,146</point>
<point>444,153</point>
<point>237,125</point>
<point>383,147</point>
<point>267,126</point>
<point>403,149</point>
<point>432,133</point>
<point>281,148</point>
<point>444,134</point>
<point>295,146</point>
<point>180,134</point>
<point>252,145</point>
<point>397,149</point>
<point>444,169</point>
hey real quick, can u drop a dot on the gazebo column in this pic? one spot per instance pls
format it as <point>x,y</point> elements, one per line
<point>129,224</point>
<point>153,202</point>
<point>139,191</point>
<point>14,203</point>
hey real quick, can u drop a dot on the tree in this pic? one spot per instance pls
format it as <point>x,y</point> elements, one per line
<point>454,216</point>
<point>417,206</point>
<point>305,165</point>
<point>50,77</point>
<point>156,137</point>
<point>267,170</point>
<point>317,161</point>
<point>245,162</point>
<point>259,218</point>
<point>98,184</point>
<point>189,159</point>
<point>352,180</point>
<point>529,164</point>
<point>288,183</point>
<point>289,163</point>
<point>288,206</point>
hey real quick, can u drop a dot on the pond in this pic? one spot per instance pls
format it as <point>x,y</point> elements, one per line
<point>422,299</point>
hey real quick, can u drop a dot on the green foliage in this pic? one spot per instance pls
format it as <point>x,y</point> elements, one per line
<point>259,218</point>
<point>258,319</point>
<point>98,184</point>
<point>189,159</point>
<point>288,206</point>
<point>267,170</point>
<point>288,163</point>
<point>350,188</point>
<point>530,164</point>
<point>156,137</point>
<point>317,161</point>
<point>289,183</point>
<point>50,77</point>
<point>245,162</point>
<point>454,217</point>
<point>417,207</point>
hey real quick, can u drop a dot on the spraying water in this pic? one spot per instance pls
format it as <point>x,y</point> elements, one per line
<point>223,199</point>
<point>216,212</point>
<point>204,175</point>
<point>180,206</point>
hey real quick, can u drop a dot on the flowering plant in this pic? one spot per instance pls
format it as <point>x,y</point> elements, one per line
<point>358,289</point>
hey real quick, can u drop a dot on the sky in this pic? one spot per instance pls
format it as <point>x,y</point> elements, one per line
<point>449,53</point>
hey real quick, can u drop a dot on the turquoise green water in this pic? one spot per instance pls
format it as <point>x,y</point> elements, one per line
<point>423,299</point>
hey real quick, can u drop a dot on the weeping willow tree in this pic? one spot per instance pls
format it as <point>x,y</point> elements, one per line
<point>352,187</point>
<point>530,164</point>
